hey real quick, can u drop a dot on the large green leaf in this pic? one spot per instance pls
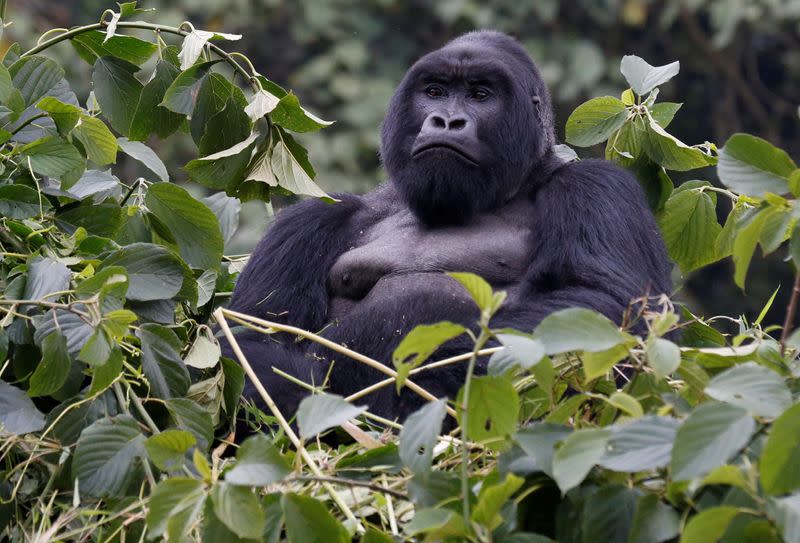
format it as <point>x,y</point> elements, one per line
<point>418,436</point>
<point>663,356</point>
<point>712,434</point>
<point>98,141</point>
<point>145,155</point>
<point>258,463</point>
<point>786,512</point>
<point>667,151</point>
<point>539,443</point>
<point>117,91</point>
<point>53,370</point>
<point>709,525</point>
<point>167,449</point>
<point>65,116</point>
<point>308,521</point>
<point>45,276</point>
<point>150,117</point>
<point>642,77</point>
<point>577,455</point>
<point>18,414</point>
<point>419,344</point>
<point>174,504</point>
<point>192,417</point>
<point>519,350</point>
<point>181,95</point>
<point>752,166</point>
<point>93,45</point>
<point>577,329</point>
<point>53,156</point>
<point>654,521</point>
<point>744,245</point>
<point>641,445</point>
<point>758,389</point>
<point>192,225</point>
<point>225,128</point>
<point>161,361</point>
<point>779,465</point>
<point>492,498</point>
<point>690,228</point>
<point>290,114</point>
<point>608,513</point>
<point>154,273</point>
<point>492,409</point>
<point>292,168</point>
<point>34,76</point>
<point>107,456</point>
<point>21,202</point>
<point>238,508</point>
<point>320,412</point>
<point>225,169</point>
<point>595,121</point>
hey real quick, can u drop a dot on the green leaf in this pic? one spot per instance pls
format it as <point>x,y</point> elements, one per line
<point>477,287</point>
<point>289,113</point>
<point>664,112</point>
<point>226,128</point>
<point>319,412</point>
<point>374,536</point>
<point>227,211</point>
<point>666,150</point>
<point>595,121</point>
<point>654,521</point>
<point>711,435</point>
<point>104,375</point>
<point>145,155</point>
<point>261,103</point>
<point>65,116</point>
<point>759,390</point>
<point>53,370</point>
<point>600,363</point>
<point>21,202</point>
<point>45,276</point>
<point>225,169</point>
<point>308,521</point>
<point>97,349</point>
<point>663,356</point>
<point>642,445</point>
<point>420,343</point>
<point>102,220</point>
<point>690,229</point>
<point>779,466</point>
<point>642,77</point>
<point>258,463</point>
<point>205,351</point>
<point>752,166</point>
<point>292,168</point>
<point>418,436</point>
<point>181,95</point>
<point>34,76</point>
<point>580,451</point>
<point>608,513</point>
<point>491,500</point>
<point>238,508</point>
<point>709,525</point>
<point>539,443</point>
<point>745,245</point>
<point>167,449</point>
<point>18,414</point>
<point>192,225</point>
<point>627,403</point>
<point>492,409</point>
<point>775,229</point>
<point>154,273</point>
<point>161,362</point>
<point>52,156</point>
<point>117,90</point>
<point>192,417</point>
<point>107,456</point>
<point>577,329</point>
<point>194,42</point>
<point>150,117</point>
<point>786,512</point>
<point>438,524</point>
<point>97,139</point>
<point>93,45</point>
<point>519,350</point>
<point>214,94</point>
<point>175,504</point>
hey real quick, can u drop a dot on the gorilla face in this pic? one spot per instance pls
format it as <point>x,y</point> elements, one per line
<point>466,128</point>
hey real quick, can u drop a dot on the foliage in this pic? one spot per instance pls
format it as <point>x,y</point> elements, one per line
<point>118,414</point>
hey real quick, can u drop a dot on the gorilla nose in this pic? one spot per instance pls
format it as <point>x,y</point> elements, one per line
<point>437,123</point>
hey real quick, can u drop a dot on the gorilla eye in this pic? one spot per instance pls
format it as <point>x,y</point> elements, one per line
<point>434,91</point>
<point>480,95</point>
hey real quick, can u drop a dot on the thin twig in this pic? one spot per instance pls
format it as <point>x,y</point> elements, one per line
<point>791,311</point>
<point>244,319</point>
<point>223,324</point>
<point>346,482</point>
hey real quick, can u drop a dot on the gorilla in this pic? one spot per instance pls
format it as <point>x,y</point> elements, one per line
<point>474,185</point>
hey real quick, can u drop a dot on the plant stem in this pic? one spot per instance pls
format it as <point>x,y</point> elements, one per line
<point>791,311</point>
<point>347,482</point>
<point>143,26</point>
<point>28,121</point>
<point>483,337</point>
<point>3,10</point>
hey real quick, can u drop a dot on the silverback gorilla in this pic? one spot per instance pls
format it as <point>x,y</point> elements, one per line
<point>474,185</point>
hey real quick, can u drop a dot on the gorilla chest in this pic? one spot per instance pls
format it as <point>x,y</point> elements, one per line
<point>400,253</point>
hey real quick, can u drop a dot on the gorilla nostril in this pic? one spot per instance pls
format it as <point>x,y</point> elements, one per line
<point>438,122</point>
<point>457,124</point>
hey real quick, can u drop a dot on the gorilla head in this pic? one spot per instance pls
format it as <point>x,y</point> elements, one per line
<point>466,128</point>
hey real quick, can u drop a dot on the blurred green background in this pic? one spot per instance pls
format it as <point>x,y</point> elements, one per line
<point>740,71</point>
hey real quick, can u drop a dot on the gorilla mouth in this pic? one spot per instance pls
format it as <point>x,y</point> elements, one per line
<point>438,145</point>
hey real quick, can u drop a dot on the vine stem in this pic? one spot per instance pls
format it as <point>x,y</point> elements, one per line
<point>248,321</point>
<point>142,26</point>
<point>791,311</point>
<point>483,337</point>
<point>223,324</point>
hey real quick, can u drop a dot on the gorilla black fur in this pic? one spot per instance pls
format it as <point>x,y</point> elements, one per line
<point>474,186</point>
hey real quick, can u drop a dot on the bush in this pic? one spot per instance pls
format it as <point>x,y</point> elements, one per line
<point>118,413</point>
